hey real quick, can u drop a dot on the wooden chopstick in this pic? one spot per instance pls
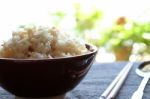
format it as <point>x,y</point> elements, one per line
<point>115,86</point>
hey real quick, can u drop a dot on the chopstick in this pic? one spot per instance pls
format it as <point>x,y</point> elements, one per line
<point>115,86</point>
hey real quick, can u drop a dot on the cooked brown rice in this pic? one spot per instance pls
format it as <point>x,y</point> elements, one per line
<point>41,42</point>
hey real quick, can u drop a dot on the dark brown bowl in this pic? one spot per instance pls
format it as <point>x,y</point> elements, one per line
<point>44,77</point>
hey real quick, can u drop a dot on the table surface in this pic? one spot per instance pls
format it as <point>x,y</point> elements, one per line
<point>98,79</point>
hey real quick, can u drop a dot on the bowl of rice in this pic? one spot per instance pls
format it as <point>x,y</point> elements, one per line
<point>41,62</point>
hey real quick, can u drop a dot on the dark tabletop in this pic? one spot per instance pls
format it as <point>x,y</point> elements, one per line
<point>98,79</point>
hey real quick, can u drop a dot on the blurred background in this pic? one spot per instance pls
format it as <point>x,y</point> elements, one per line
<point>119,28</point>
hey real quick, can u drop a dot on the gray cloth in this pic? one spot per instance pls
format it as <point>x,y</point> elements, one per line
<point>98,79</point>
<point>101,75</point>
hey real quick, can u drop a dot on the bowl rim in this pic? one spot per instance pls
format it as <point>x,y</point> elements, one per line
<point>93,50</point>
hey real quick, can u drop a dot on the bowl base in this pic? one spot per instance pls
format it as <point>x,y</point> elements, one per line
<point>56,97</point>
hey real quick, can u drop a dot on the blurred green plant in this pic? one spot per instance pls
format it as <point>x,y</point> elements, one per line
<point>85,22</point>
<point>123,34</point>
<point>57,17</point>
<point>119,37</point>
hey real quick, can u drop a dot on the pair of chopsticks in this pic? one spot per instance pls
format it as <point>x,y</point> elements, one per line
<point>116,84</point>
